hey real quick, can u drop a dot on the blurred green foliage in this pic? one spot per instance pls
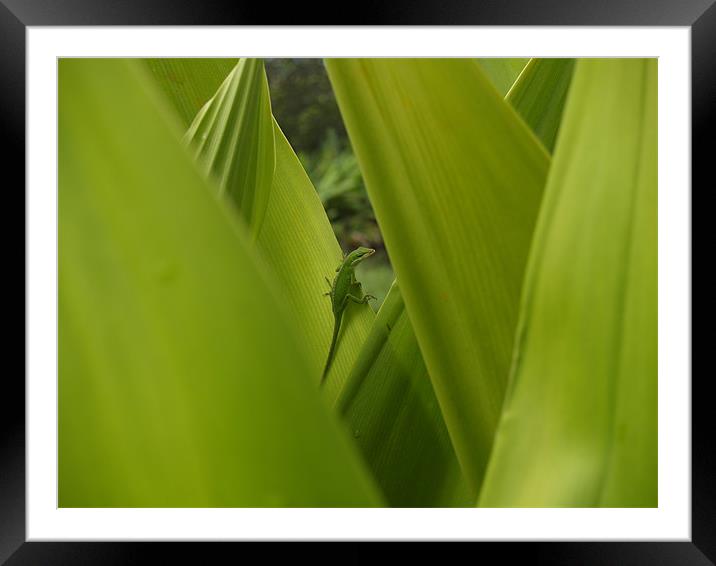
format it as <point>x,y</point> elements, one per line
<point>334,170</point>
<point>303,103</point>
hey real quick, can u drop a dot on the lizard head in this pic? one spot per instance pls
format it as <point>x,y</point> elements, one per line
<point>359,254</point>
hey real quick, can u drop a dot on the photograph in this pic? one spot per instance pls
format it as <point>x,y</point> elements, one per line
<point>419,272</point>
<point>357,282</point>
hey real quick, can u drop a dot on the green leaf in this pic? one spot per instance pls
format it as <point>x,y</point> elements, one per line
<point>390,405</point>
<point>502,71</point>
<point>455,178</point>
<point>298,244</point>
<point>189,83</point>
<point>181,381</point>
<point>232,140</point>
<point>395,419</point>
<point>539,94</point>
<point>579,426</point>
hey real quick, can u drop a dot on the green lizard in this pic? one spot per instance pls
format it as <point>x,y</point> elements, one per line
<point>342,289</point>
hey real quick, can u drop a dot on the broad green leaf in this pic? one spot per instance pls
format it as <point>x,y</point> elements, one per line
<point>189,83</point>
<point>579,426</point>
<point>294,255</point>
<point>232,140</point>
<point>389,403</point>
<point>396,422</point>
<point>539,94</point>
<point>298,244</point>
<point>181,381</point>
<point>455,178</point>
<point>502,71</point>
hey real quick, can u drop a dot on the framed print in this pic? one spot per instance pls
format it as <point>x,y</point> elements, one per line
<point>358,283</point>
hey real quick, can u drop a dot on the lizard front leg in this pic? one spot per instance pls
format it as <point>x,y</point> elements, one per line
<point>359,301</point>
<point>330,286</point>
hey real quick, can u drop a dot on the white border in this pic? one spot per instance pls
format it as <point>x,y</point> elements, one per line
<point>670,521</point>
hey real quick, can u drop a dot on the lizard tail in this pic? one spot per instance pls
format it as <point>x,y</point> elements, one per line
<point>329,359</point>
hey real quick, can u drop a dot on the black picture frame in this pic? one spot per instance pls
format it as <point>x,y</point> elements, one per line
<point>16,15</point>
